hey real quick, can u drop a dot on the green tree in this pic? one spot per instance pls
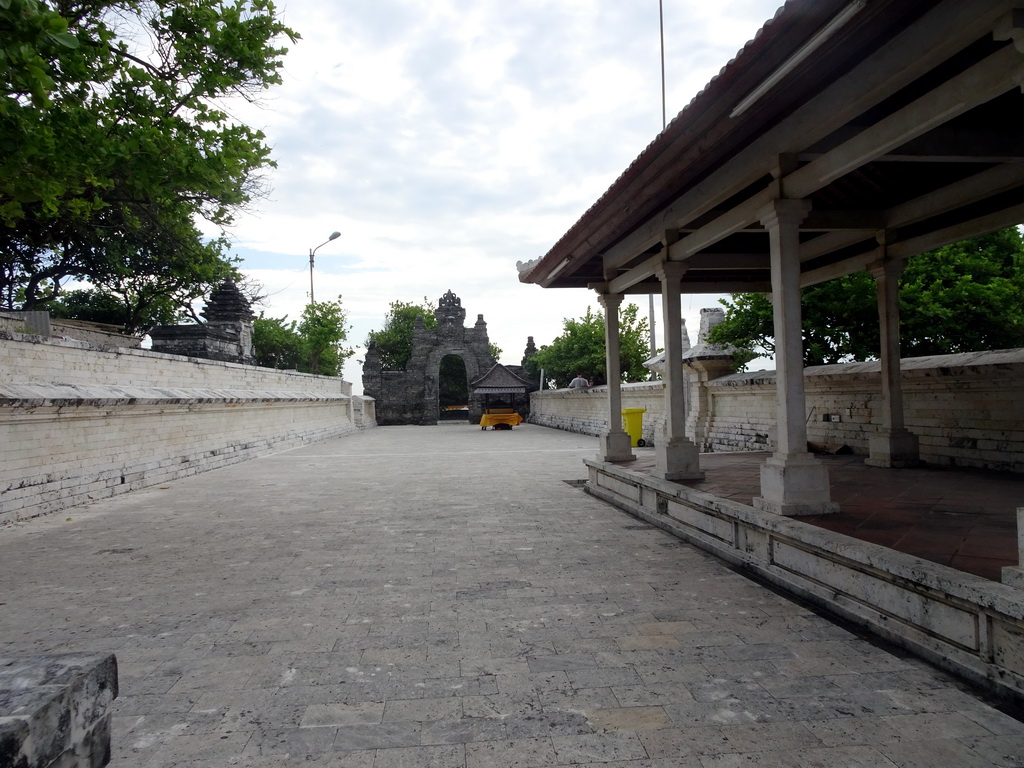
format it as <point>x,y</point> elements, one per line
<point>581,349</point>
<point>276,343</point>
<point>115,141</point>
<point>964,297</point>
<point>313,345</point>
<point>394,340</point>
<point>322,329</point>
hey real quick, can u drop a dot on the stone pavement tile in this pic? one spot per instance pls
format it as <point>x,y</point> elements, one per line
<point>787,685</point>
<point>351,738</point>
<point>1005,751</point>
<point>667,743</point>
<point>562,661</point>
<point>234,709</point>
<point>647,642</point>
<point>749,737</point>
<point>667,671</point>
<point>443,756</point>
<point>725,689</point>
<point>927,725</point>
<point>461,731</point>
<point>849,731</point>
<point>603,677</point>
<point>842,757</point>
<point>515,753</point>
<point>991,719</point>
<point>273,740</point>
<point>424,710</point>
<point>495,666</point>
<point>547,723</point>
<point>185,750</point>
<point>817,668</point>
<point>602,747</point>
<point>666,628</point>
<point>628,719</point>
<point>133,705</point>
<point>776,758</point>
<point>317,715</point>
<point>500,705</point>
<point>650,695</point>
<point>326,760</point>
<point>913,753</point>
<point>581,700</point>
<point>530,682</point>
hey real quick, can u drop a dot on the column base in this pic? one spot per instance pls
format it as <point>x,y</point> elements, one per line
<point>795,485</point>
<point>893,449</point>
<point>1012,576</point>
<point>615,446</point>
<point>677,459</point>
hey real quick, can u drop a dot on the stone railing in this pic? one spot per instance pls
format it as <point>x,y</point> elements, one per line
<point>969,625</point>
<point>54,710</point>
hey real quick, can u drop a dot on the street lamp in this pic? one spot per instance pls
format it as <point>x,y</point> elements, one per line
<point>312,251</point>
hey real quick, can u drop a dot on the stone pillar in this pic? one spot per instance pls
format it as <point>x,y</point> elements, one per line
<point>675,456</point>
<point>893,445</point>
<point>793,482</point>
<point>1013,575</point>
<point>614,442</point>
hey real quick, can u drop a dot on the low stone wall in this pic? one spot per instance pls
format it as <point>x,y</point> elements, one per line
<point>54,710</point>
<point>586,410</point>
<point>969,625</point>
<point>967,409</point>
<point>81,423</point>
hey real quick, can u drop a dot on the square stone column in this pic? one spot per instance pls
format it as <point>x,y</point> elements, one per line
<point>676,456</point>
<point>793,482</point>
<point>1014,574</point>
<point>892,445</point>
<point>615,443</point>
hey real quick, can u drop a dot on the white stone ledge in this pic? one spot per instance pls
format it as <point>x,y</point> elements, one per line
<point>63,395</point>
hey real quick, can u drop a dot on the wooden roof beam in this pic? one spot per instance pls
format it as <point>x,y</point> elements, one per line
<point>915,51</point>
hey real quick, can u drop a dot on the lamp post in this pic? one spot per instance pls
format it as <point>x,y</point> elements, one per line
<point>312,252</point>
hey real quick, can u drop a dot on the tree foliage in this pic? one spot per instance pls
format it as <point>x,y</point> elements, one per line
<point>115,142</point>
<point>581,349</point>
<point>312,345</point>
<point>394,340</point>
<point>964,297</point>
<point>323,329</point>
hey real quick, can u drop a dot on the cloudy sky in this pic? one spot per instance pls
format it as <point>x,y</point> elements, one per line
<point>447,140</point>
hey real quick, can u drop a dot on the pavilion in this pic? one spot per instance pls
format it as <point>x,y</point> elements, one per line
<point>847,136</point>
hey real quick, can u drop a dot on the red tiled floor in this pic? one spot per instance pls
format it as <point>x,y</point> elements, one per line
<point>964,518</point>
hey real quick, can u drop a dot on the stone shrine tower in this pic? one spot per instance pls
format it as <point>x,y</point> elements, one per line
<point>411,396</point>
<point>226,336</point>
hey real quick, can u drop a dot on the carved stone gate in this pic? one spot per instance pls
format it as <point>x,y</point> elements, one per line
<point>410,396</point>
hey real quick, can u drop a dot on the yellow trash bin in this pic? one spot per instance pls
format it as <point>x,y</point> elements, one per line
<point>633,423</point>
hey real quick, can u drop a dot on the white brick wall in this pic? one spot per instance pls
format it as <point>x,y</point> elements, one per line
<point>967,409</point>
<point>79,424</point>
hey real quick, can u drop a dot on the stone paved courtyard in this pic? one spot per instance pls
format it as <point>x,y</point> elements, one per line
<point>442,596</point>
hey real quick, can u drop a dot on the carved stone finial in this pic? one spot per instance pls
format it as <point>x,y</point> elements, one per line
<point>449,300</point>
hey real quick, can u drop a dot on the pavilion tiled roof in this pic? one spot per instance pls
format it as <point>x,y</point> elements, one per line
<point>499,380</point>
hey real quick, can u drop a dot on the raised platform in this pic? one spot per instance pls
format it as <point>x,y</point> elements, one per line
<point>968,624</point>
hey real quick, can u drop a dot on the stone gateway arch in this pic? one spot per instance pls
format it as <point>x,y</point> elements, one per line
<point>411,396</point>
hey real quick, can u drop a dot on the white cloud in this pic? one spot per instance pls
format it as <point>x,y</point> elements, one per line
<point>448,140</point>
